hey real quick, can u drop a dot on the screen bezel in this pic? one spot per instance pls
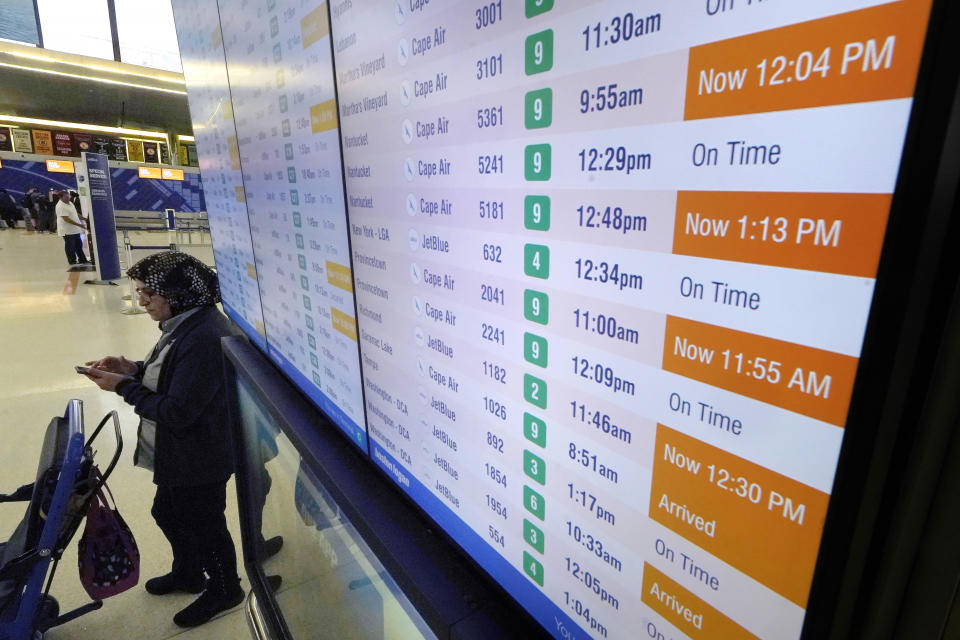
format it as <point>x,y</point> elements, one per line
<point>896,358</point>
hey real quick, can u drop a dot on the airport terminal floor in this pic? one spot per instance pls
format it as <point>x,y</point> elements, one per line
<point>49,321</point>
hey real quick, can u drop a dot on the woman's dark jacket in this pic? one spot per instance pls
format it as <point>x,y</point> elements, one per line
<point>193,443</point>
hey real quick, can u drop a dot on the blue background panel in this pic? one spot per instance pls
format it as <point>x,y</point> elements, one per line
<point>130,192</point>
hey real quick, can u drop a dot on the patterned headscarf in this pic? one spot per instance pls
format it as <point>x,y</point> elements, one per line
<point>180,278</point>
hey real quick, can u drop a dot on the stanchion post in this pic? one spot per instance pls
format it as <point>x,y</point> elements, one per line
<point>133,309</point>
<point>127,257</point>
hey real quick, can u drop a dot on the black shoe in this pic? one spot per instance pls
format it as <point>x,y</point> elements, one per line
<point>208,605</point>
<point>170,583</point>
<point>271,547</point>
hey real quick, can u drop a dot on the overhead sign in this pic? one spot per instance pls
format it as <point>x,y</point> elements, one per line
<point>150,152</point>
<point>63,143</point>
<point>150,172</point>
<point>21,140</point>
<point>135,150</point>
<point>60,166</point>
<point>158,173</point>
<point>42,142</point>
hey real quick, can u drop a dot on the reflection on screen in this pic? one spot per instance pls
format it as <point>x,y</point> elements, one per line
<point>327,575</point>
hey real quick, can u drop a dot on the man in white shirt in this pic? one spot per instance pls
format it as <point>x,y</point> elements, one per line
<point>70,228</point>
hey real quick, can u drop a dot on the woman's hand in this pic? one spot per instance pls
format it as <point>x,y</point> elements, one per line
<point>114,364</point>
<point>106,380</point>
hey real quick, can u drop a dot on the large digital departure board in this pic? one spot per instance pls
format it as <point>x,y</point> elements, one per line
<point>613,264</point>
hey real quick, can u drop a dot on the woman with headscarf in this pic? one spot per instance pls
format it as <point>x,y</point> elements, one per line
<point>183,435</point>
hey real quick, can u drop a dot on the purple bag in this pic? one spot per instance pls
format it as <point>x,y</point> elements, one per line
<point>108,557</point>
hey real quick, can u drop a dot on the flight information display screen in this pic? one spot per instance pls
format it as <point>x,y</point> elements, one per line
<point>614,262</point>
<point>281,78</point>
<point>608,265</point>
<point>208,92</point>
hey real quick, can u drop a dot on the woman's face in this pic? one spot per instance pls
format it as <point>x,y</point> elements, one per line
<point>156,305</point>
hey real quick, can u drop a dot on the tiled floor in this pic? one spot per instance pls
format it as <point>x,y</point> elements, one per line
<point>50,321</point>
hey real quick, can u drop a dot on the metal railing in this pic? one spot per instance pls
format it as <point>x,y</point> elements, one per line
<point>183,224</point>
<point>128,249</point>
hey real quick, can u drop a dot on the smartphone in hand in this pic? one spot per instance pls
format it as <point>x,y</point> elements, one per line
<point>81,369</point>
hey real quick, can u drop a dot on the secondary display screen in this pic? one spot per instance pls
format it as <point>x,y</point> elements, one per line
<point>613,266</point>
<point>208,92</point>
<point>281,79</point>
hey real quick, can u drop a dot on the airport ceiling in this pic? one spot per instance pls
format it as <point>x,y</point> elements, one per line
<point>36,83</point>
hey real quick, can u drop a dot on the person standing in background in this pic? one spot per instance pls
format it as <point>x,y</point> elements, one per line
<point>70,228</point>
<point>39,211</point>
<point>29,207</point>
<point>75,199</point>
<point>48,215</point>
<point>8,210</point>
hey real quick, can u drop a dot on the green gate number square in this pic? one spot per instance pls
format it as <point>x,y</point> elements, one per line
<point>533,535</point>
<point>536,7</point>
<point>534,467</point>
<point>536,213</point>
<point>535,391</point>
<point>538,109</point>
<point>306,303</point>
<point>532,568</point>
<point>299,240</point>
<point>536,162</point>
<point>294,197</point>
<point>314,360</point>
<point>535,430</point>
<point>302,261</point>
<point>309,322</point>
<point>535,349</point>
<point>304,283</point>
<point>539,52</point>
<point>536,306</point>
<point>536,261</point>
<point>291,174</point>
<point>533,502</point>
<point>296,219</point>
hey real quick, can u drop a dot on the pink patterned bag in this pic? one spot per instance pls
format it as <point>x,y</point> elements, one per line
<point>108,557</point>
